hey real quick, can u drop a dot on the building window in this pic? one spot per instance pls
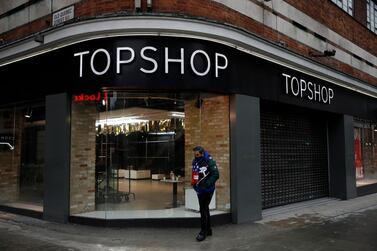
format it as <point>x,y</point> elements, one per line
<point>22,137</point>
<point>372,15</point>
<point>346,5</point>
<point>365,147</point>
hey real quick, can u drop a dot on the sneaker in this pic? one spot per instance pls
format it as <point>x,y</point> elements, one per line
<point>209,232</point>
<point>201,236</point>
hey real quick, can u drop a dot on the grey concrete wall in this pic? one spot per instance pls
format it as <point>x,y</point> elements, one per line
<point>6,5</point>
<point>341,157</point>
<point>29,13</point>
<point>246,199</point>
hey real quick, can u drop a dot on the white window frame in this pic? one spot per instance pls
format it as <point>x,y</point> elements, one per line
<point>346,5</point>
<point>372,15</point>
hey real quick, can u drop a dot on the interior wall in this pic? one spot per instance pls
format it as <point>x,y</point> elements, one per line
<point>83,156</point>
<point>209,127</point>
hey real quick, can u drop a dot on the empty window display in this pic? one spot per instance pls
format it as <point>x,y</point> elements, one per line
<point>22,156</point>
<point>131,153</point>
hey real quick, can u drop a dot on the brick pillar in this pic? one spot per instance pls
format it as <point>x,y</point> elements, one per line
<point>360,11</point>
<point>10,160</point>
<point>209,127</point>
<point>83,156</point>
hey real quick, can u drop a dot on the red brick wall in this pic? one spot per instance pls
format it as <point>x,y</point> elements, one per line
<point>83,158</point>
<point>323,11</point>
<point>329,14</point>
<point>360,11</point>
<point>209,127</point>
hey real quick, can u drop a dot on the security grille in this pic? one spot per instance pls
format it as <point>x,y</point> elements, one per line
<point>293,156</point>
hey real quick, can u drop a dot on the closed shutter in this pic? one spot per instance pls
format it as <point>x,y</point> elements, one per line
<point>293,155</point>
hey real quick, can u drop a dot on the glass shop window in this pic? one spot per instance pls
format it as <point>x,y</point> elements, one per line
<point>365,147</point>
<point>131,153</point>
<point>22,136</point>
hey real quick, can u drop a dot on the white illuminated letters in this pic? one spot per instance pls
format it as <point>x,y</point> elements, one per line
<point>180,60</point>
<point>217,65</point>
<point>305,89</point>
<point>81,54</point>
<point>154,62</point>
<point>119,61</point>
<point>193,66</point>
<point>107,63</point>
<point>147,61</point>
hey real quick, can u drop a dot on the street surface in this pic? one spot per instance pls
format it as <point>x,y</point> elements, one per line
<point>317,225</point>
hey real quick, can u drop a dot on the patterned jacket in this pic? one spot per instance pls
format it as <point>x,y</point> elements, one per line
<point>208,173</point>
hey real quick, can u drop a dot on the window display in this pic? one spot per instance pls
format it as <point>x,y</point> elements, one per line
<point>131,153</point>
<point>22,156</point>
<point>365,147</point>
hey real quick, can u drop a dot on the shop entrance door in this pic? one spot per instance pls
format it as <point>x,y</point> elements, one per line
<point>294,163</point>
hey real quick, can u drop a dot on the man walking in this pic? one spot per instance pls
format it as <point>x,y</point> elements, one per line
<point>204,176</point>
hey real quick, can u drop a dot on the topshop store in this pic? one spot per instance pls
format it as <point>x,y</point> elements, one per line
<point>99,128</point>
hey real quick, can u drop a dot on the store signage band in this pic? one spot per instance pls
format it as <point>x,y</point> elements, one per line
<point>217,62</point>
<point>305,89</point>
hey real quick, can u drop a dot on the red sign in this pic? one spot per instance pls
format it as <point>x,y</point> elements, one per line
<point>358,155</point>
<point>89,97</point>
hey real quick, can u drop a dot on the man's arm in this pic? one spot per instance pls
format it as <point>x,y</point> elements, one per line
<point>213,173</point>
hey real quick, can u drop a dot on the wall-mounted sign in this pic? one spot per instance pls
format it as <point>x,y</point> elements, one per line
<point>63,15</point>
<point>175,64</point>
<point>198,62</point>
<point>83,97</point>
<point>302,88</point>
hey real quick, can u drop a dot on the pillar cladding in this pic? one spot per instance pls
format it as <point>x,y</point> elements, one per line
<point>246,160</point>
<point>208,126</point>
<point>11,121</point>
<point>342,157</point>
<point>83,156</point>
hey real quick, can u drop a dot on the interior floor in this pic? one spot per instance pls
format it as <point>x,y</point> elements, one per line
<point>366,181</point>
<point>153,199</point>
<point>178,212</point>
<point>146,195</point>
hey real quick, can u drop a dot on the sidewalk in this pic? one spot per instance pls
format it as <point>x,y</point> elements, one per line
<point>321,209</point>
<point>324,224</point>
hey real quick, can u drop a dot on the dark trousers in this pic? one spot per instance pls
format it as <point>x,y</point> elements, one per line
<point>205,219</point>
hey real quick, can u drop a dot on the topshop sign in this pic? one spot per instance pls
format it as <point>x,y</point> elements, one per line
<point>200,62</point>
<point>302,88</point>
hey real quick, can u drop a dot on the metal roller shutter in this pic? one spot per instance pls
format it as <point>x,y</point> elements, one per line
<point>293,155</point>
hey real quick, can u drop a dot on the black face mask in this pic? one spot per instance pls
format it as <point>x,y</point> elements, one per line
<point>198,158</point>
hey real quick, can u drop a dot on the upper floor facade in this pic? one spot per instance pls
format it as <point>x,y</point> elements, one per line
<point>341,35</point>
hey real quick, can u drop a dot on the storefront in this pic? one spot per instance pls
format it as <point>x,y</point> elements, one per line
<point>113,120</point>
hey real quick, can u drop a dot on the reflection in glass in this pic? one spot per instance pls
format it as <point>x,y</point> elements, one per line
<point>139,141</point>
<point>365,148</point>
<point>131,154</point>
<point>22,156</point>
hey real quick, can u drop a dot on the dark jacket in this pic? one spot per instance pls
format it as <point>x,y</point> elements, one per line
<point>208,173</point>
